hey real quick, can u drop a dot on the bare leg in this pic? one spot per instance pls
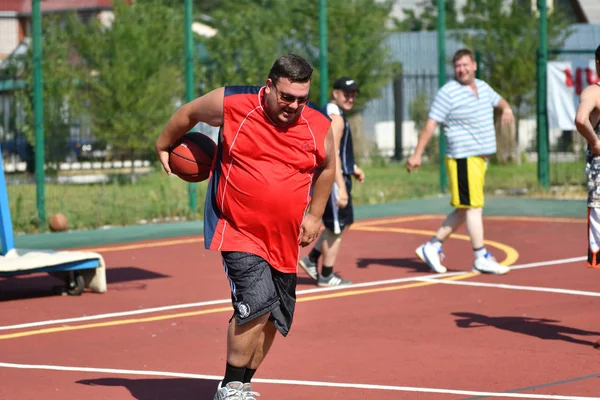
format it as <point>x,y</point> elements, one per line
<point>474,222</point>
<point>319,244</point>
<point>330,247</point>
<point>452,222</point>
<point>242,340</point>
<point>266,338</point>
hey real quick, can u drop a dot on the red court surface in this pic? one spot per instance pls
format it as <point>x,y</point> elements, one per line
<point>399,332</point>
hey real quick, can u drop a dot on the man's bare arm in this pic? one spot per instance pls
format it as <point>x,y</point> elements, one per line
<point>207,109</point>
<point>589,104</point>
<point>337,128</point>
<point>324,179</point>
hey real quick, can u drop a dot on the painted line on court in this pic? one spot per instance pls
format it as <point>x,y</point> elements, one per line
<point>514,287</point>
<point>422,217</point>
<point>349,290</point>
<point>300,292</point>
<point>544,385</point>
<point>144,245</point>
<point>120,322</point>
<point>511,254</point>
<point>293,382</point>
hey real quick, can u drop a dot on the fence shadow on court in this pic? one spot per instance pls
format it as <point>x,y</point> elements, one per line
<point>543,328</point>
<point>160,388</point>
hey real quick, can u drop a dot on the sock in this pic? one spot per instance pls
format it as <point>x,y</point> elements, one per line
<point>314,255</point>
<point>326,271</point>
<point>435,242</point>
<point>248,375</point>
<point>233,374</point>
<point>480,252</point>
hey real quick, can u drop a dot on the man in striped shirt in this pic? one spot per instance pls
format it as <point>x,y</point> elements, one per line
<point>465,106</point>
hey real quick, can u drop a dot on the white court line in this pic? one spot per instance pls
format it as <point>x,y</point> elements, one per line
<point>514,287</point>
<point>300,292</point>
<point>298,383</point>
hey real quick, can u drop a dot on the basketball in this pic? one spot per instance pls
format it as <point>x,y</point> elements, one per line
<point>191,157</point>
<point>58,223</point>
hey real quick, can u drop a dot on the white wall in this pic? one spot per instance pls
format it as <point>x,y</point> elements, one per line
<point>9,36</point>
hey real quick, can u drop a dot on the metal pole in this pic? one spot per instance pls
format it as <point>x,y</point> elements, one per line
<point>189,83</point>
<point>542,112</point>
<point>323,61</point>
<point>441,42</point>
<point>398,115</point>
<point>38,111</point>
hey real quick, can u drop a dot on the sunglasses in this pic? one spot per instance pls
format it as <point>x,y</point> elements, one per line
<point>289,99</point>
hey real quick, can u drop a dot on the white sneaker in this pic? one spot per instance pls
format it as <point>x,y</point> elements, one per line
<point>431,256</point>
<point>488,265</point>
<point>248,393</point>
<point>231,391</point>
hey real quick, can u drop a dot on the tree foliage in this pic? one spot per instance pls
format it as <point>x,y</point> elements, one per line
<point>243,52</point>
<point>61,106</point>
<point>507,40</point>
<point>132,72</point>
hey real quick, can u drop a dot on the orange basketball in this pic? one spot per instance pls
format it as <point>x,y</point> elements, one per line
<point>58,223</point>
<point>191,157</point>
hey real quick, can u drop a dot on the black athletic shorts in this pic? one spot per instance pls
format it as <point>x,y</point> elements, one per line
<point>334,218</point>
<point>258,289</point>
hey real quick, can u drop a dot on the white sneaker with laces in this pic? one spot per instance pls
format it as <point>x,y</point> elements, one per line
<point>231,391</point>
<point>248,394</point>
<point>309,267</point>
<point>431,256</point>
<point>488,265</point>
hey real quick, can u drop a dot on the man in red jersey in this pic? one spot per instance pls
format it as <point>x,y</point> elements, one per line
<point>273,146</point>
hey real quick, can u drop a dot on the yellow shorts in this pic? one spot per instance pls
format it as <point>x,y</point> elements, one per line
<point>467,177</point>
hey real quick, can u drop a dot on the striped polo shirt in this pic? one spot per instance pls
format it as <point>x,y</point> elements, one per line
<point>468,118</point>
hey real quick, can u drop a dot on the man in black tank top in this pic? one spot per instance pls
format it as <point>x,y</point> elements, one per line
<point>587,121</point>
<point>339,214</point>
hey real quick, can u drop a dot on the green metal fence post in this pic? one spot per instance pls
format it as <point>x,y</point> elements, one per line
<point>189,84</point>
<point>441,44</point>
<point>542,113</point>
<point>323,59</point>
<point>38,111</point>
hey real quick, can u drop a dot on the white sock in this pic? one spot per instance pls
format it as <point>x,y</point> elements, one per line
<point>479,253</point>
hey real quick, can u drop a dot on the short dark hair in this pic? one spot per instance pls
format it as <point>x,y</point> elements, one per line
<point>598,54</point>
<point>292,67</point>
<point>461,53</point>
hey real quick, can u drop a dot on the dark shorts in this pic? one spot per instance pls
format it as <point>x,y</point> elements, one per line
<point>334,218</point>
<point>258,289</point>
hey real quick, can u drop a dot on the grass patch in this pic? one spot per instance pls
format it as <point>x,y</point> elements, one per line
<point>156,198</point>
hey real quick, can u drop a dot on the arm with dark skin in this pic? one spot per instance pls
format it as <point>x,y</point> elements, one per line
<point>323,181</point>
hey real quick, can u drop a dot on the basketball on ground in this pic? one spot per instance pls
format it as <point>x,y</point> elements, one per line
<point>191,157</point>
<point>58,223</point>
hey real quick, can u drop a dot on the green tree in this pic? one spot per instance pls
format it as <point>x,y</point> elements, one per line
<point>507,39</point>
<point>426,20</point>
<point>242,53</point>
<point>62,108</point>
<point>132,72</point>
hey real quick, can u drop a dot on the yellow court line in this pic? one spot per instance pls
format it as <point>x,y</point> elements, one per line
<point>356,226</point>
<point>408,218</point>
<point>491,217</point>
<point>223,309</point>
<point>142,245</point>
<point>511,253</point>
<point>511,256</point>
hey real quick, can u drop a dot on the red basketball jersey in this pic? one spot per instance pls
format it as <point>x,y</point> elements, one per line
<point>261,182</point>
